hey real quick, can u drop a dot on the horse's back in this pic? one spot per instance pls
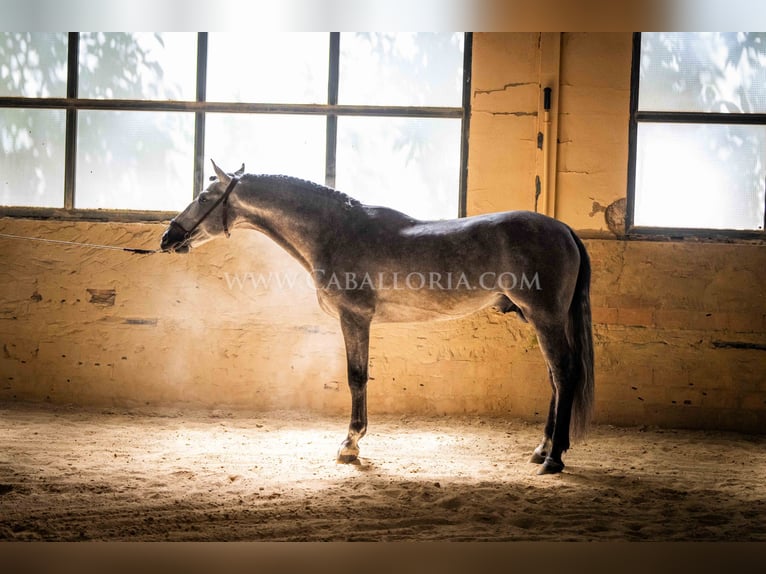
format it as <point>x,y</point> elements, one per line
<point>517,222</point>
<point>510,235</point>
<point>496,239</point>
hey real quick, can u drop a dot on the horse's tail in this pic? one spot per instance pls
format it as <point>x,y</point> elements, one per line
<point>582,342</point>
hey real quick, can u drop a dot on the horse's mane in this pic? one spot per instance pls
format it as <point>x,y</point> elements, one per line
<point>309,186</point>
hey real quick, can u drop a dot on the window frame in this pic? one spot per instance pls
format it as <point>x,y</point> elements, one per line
<point>636,117</point>
<point>72,105</point>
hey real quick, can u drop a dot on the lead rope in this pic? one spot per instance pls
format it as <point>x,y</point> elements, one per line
<point>79,244</point>
<point>225,220</point>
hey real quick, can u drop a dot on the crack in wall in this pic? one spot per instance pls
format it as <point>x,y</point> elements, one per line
<point>575,171</point>
<point>504,88</point>
<point>717,344</point>
<point>621,255</point>
<point>515,114</point>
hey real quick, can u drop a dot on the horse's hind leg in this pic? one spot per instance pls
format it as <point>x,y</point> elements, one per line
<point>356,334</point>
<point>557,353</point>
<point>542,450</point>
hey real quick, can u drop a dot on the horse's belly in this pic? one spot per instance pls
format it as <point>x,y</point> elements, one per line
<point>415,309</point>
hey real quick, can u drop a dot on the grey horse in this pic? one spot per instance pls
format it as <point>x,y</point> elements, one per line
<point>376,264</point>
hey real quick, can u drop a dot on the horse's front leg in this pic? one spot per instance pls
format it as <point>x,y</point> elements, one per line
<point>356,334</point>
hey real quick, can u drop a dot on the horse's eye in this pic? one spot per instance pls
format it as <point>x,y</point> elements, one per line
<point>202,198</point>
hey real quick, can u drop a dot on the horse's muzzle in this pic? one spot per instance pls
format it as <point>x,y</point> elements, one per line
<point>174,239</point>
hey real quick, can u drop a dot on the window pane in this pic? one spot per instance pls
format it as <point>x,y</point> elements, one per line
<point>33,64</point>
<point>287,68</point>
<point>138,66</point>
<point>134,160</point>
<point>275,144</point>
<point>700,176</point>
<point>32,158</point>
<point>703,72</point>
<point>412,165</point>
<point>404,69</point>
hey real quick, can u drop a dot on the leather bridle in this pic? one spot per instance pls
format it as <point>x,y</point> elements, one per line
<point>224,199</point>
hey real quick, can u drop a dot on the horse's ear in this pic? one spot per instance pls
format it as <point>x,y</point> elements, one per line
<point>222,175</point>
<point>240,171</point>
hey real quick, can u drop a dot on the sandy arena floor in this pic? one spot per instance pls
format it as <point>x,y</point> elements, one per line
<point>71,474</point>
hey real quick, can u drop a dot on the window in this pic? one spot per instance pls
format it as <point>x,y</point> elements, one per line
<point>698,131</point>
<point>33,144</point>
<point>127,121</point>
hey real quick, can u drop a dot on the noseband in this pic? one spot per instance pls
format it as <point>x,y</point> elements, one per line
<point>224,199</point>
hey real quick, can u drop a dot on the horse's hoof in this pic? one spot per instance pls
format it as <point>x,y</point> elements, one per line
<point>537,458</point>
<point>346,458</point>
<point>541,452</point>
<point>551,466</point>
<point>348,452</point>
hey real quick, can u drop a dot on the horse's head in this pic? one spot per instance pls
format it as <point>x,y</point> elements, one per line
<point>205,218</point>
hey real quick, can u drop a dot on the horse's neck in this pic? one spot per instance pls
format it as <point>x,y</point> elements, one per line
<point>297,221</point>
